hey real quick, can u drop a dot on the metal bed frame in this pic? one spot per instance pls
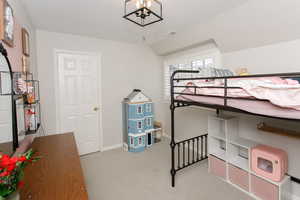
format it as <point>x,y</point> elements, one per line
<point>186,148</point>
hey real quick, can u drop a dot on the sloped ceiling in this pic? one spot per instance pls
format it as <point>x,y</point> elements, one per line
<point>231,24</point>
<point>255,23</point>
<point>103,18</point>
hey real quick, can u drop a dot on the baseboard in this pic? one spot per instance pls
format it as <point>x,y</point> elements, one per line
<point>169,137</point>
<point>117,146</point>
<point>293,197</point>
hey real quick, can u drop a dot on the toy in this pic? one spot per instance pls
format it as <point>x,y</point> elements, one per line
<point>242,71</point>
<point>269,162</point>
<point>138,121</point>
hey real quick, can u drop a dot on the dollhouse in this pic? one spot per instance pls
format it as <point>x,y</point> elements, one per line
<point>138,121</point>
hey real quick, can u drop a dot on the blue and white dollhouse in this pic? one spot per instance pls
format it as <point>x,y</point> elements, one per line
<point>138,121</point>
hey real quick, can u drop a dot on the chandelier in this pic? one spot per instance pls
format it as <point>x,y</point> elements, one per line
<point>143,12</point>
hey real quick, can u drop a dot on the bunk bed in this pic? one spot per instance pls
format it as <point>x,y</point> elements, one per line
<point>265,95</point>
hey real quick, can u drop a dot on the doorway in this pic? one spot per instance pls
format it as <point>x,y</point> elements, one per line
<point>78,99</point>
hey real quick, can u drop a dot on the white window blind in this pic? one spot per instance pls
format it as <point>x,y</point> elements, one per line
<point>191,64</point>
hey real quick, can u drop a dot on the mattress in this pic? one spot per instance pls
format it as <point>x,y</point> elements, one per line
<point>256,107</point>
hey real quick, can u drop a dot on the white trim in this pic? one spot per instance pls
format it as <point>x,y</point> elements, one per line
<point>56,52</point>
<point>138,119</point>
<point>136,135</point>
<point>117,146</point>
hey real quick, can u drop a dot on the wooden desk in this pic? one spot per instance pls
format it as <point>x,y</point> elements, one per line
<point>58,175</point>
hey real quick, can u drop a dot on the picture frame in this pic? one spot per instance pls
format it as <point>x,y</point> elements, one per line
<point>7,23</point>
<point>25,64</point>
<point>25,42</point>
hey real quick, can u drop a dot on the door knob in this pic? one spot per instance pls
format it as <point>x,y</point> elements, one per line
<point>96,108</point>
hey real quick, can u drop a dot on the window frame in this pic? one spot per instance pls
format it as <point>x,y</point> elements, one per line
<point>186,60</point>
<point>131,141</point>
<point>139,122</point>
<point>149,121</point>
<point>137,109</point>
<point>148,107</point>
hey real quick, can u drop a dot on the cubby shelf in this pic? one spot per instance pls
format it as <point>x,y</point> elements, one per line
<point>225,144</point>
<point>240,162</point>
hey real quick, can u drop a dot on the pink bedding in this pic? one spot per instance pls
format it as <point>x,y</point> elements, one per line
<point>280,92</point>
<point>283,95</point>
<point>256,107</point>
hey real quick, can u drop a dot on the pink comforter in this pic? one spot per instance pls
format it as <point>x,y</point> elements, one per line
<point>281,92</point>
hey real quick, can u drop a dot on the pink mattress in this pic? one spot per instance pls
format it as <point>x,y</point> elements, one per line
<point>256,107</point>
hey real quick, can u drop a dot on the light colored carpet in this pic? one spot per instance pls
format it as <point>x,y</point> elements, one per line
<point>119,175</point>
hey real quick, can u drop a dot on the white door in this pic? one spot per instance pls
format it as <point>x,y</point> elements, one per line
<point>79,107</point>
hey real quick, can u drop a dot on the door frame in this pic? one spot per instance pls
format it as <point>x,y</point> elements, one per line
<point>99,88</point>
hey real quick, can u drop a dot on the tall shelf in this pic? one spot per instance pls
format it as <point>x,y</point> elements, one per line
<point>27,90</point>
<point>229,159</point>
<point>26,94</point>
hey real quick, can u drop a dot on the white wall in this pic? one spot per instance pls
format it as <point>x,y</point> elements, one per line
<point>124,67</point>
<point>280,57</point>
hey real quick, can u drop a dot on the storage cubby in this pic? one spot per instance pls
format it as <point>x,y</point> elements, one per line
<point>217,167</point>
<point>230,159</point>
<point>238,177</point>
<point>217,128</point>
<point>238,156</point>
<point>217,147</point>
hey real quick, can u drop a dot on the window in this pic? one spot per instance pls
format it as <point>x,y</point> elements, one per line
<point>139,110</point>
<point>191,64</point>
<point>140,140</point>
<point>148,108</point>
<point>139,125</point>
<point>131,140</point>
<point>149,121</point>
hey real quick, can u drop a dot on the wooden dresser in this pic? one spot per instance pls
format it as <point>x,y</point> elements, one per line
<point>58,175</point>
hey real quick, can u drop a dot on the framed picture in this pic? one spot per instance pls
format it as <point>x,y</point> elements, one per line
<point>6,23</point>
<point>25,64</point>
<point>25,42</point>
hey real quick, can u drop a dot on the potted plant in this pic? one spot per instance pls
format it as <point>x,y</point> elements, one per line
<point>11,174</point>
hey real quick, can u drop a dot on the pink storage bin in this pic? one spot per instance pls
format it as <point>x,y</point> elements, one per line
<point>217,167</point>
<point>264,189</point>
<point>269,162</point>
<point>238,177</point>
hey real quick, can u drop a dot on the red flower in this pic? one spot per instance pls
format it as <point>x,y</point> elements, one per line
<point>4,174</point>
<point>22,159</point>
<point>21,184</point>
<point>11,167</point>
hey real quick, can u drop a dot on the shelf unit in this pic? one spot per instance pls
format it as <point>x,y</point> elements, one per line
<point>29,96</point>
<point>229,159</point>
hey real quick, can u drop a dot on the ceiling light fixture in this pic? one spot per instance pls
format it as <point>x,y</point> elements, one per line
<point>143,12</point>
